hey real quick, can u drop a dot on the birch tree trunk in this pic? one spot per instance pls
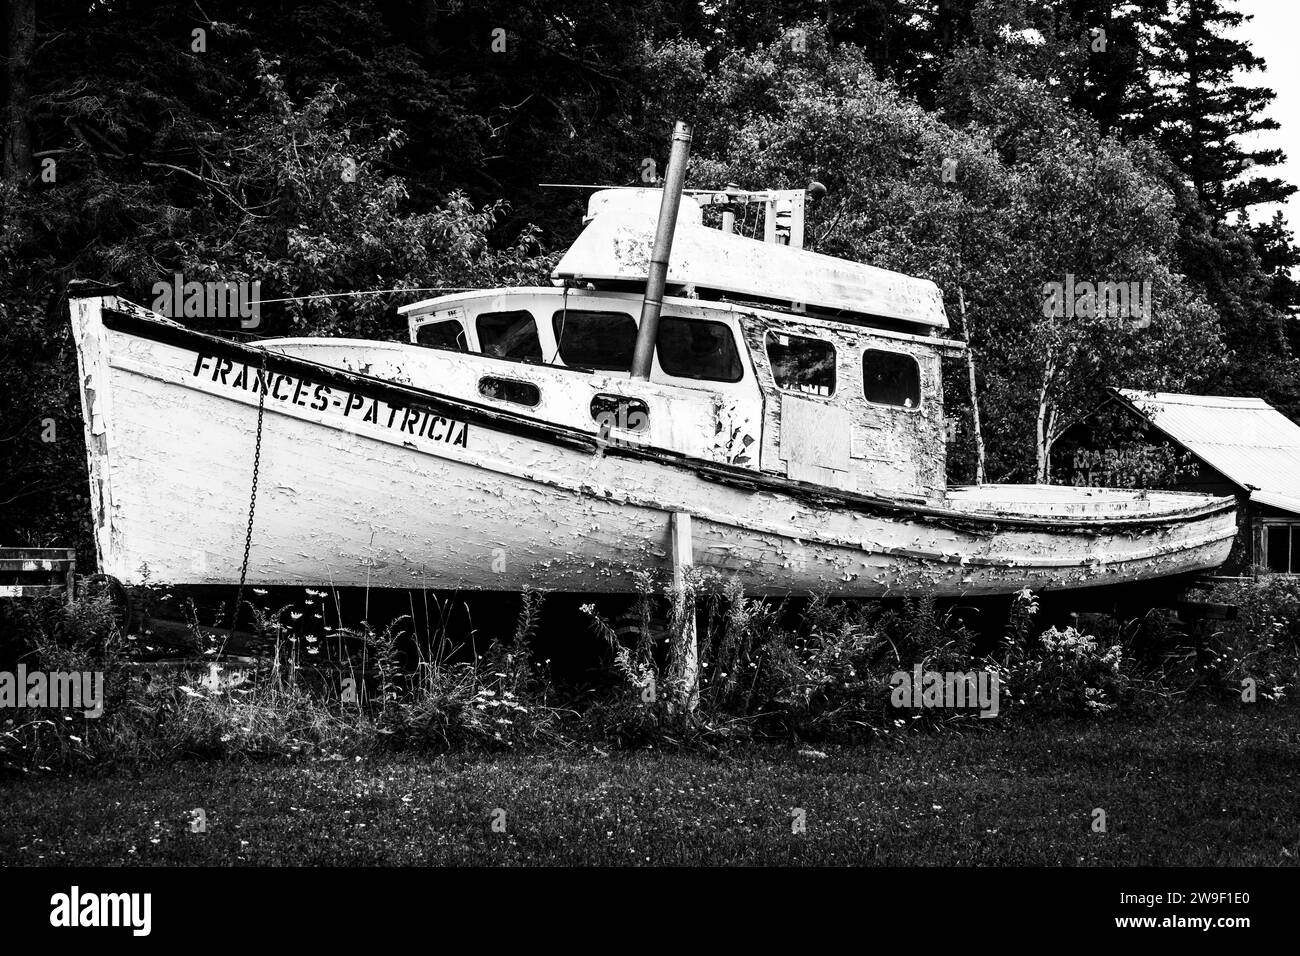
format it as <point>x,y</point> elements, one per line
<point>974,394</point>
<point>1046,414</point>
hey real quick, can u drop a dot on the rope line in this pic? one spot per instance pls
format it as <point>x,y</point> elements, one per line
<point>336,295</point>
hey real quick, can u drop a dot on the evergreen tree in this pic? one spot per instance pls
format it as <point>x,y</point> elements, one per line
<point>1200,112</point>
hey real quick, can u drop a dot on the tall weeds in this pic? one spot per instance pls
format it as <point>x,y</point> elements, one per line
<point>808,669</point>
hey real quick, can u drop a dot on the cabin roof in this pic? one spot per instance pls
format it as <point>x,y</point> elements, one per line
<point>616,246</point>
<point>1246,440</point>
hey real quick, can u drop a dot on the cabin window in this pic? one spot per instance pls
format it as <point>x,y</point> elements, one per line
<point>615,411</point>
<point>509,390</point>
<point>689,348</point>
<point>1282,548</point>
<point>802,364</point>
<point>509,335</point>
<point>891,378</point>
<point>595,340</point>
<point>447,334</point>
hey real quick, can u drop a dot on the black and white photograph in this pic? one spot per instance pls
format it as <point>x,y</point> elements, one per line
<point>445,437</point>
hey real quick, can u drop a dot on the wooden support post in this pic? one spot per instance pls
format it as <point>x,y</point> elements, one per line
<point>70,576</point>
<point>683,559</point>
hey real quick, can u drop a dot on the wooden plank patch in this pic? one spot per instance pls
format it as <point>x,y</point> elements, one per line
<point>814,433</point>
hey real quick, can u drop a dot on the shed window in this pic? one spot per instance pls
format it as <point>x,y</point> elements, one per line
<point>509,390</point>
<point>690,348</point>
<point>891,378</point>
<point>447,334</point>
<point>802,364</point>
<point>509,335</point>
<point>595,340</point>
<point>1282,548</point>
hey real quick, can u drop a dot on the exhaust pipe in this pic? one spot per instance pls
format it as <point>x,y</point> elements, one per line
<point>648,331</point>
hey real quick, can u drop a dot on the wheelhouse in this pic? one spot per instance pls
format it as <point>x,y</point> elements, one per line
<point>834,403</point>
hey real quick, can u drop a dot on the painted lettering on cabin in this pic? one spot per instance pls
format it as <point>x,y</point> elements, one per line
<point>323,398</point>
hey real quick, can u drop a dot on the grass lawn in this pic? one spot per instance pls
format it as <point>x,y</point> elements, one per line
<point>1206,785</point>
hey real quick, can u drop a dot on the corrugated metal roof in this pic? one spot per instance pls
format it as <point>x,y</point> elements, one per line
<point>1285,502</point>
<point>1246,439</point>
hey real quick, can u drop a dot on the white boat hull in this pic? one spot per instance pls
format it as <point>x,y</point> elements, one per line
<point>367,483</point>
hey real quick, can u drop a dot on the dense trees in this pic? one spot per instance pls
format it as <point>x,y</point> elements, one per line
<point>1093,138</point>
<point>1039,194</point>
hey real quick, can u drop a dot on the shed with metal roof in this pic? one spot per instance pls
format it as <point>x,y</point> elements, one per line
<point>1212,443</point>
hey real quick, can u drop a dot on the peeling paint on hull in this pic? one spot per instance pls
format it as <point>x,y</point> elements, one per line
<point>361,494</point>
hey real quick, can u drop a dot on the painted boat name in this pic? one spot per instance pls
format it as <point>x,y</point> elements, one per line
<point>320,398</point>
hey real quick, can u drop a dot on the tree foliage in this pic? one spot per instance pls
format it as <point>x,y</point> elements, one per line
<point>1039,194</point>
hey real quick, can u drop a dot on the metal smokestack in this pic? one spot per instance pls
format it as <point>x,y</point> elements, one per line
<point>657,277</point>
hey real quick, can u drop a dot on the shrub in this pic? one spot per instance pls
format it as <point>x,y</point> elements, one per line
<point>638,709</point>
<point>1263,643</point>
<point>288,705</point>
<point>52,635</point>
<point>495,701</point>
<point>1069,673</point>
<point>817,670</point>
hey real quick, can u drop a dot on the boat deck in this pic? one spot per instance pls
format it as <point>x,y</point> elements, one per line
<point>1048,500</point>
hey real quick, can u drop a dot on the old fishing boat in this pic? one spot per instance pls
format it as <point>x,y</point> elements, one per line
<point>680,394</point>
